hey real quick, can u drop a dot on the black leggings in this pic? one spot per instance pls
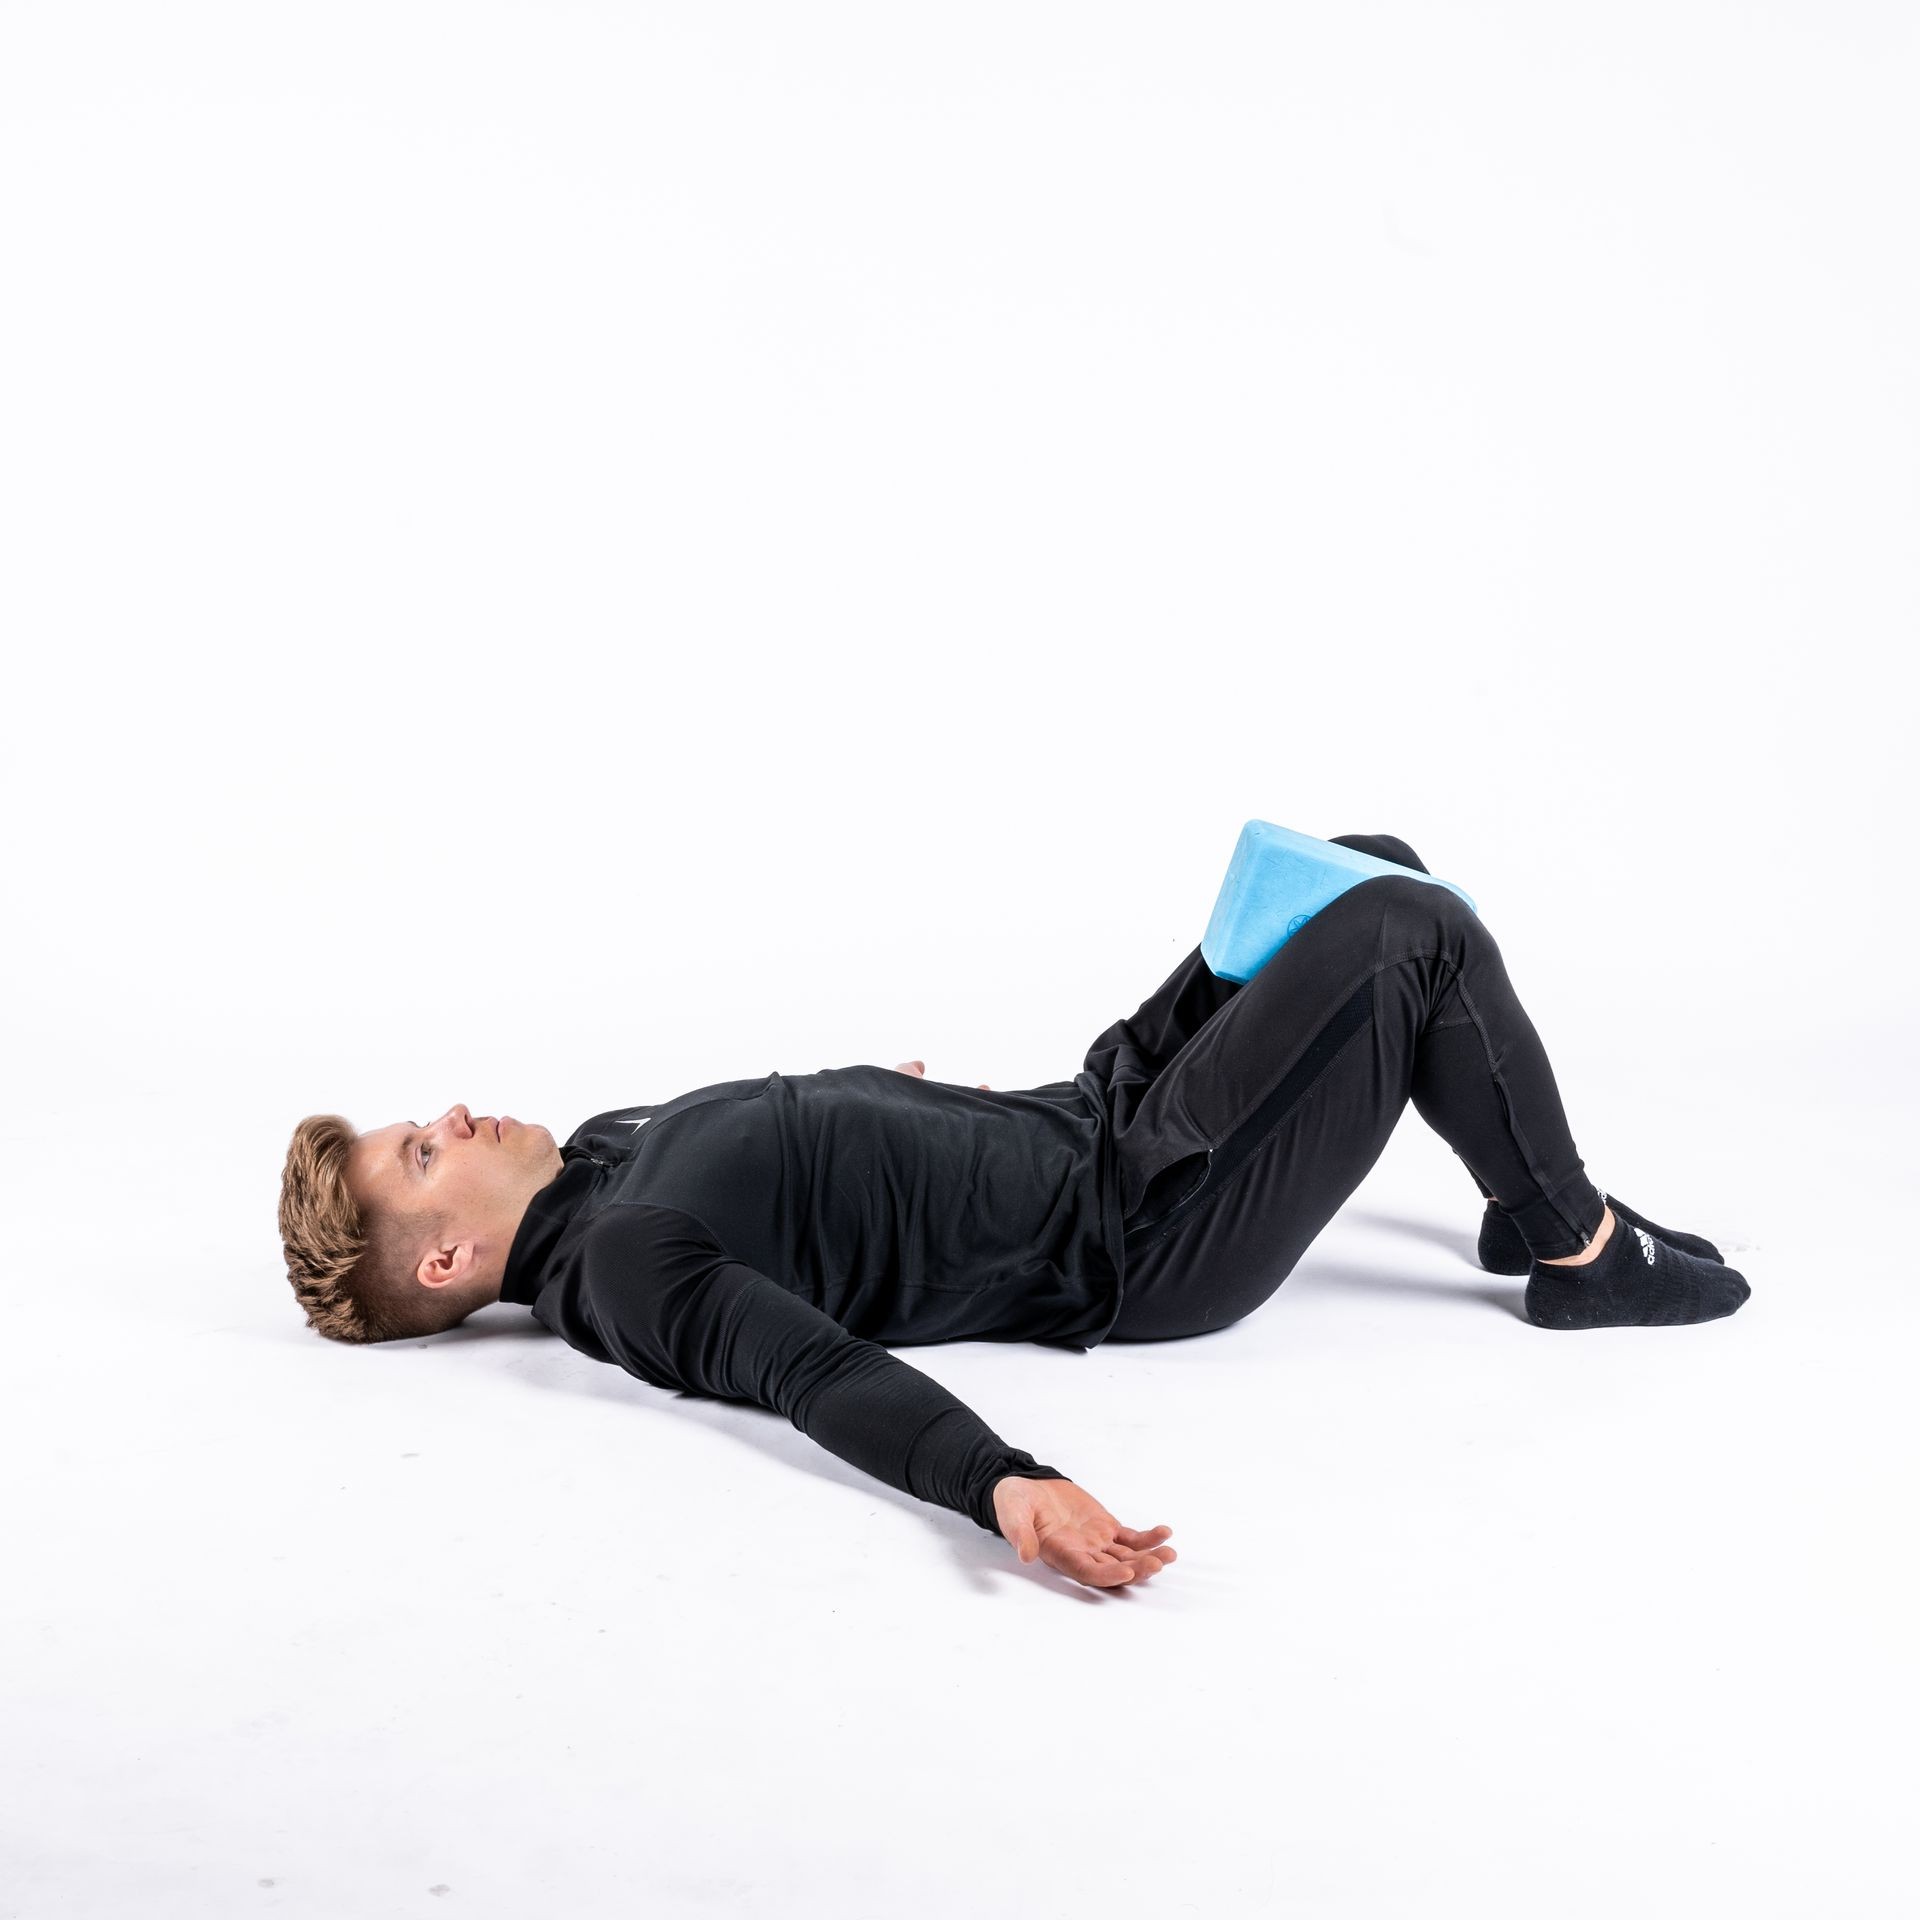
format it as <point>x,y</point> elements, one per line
<point>1244,1115</point>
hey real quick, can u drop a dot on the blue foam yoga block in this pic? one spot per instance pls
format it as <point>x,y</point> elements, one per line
<point>1276,882</point>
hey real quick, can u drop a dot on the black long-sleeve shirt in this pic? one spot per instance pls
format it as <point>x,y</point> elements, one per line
<point>760,1240</point>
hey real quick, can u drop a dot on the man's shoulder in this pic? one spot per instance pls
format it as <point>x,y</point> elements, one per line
<point>644,1236</point>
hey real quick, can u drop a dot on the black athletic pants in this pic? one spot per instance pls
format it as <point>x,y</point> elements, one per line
<point>1244,1115</point>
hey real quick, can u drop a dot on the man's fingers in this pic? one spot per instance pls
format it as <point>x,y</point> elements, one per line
<point>1089,1568</point>
<point>1145,1561</point>
<point>1102,1555</point>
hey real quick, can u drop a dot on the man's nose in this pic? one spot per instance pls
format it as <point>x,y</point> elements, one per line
<point>462,1120</point>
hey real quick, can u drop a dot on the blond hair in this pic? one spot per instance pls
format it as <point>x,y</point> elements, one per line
<point>352,1272</point>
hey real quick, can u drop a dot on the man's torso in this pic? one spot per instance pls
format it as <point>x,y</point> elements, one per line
<point>911,1211</point>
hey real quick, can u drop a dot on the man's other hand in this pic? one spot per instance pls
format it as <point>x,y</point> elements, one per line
<point>919,1068</point>
<point>1064,1525</point>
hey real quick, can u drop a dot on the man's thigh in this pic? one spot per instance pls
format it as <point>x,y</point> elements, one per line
<point>1257,1201</point>
<point>1250,1140</point>
<point>1132,1055</point>
<point>1236,1059</point>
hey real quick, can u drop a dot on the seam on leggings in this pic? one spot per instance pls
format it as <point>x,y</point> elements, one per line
<point>1209,1189</point>
<point>1212,1191</point>
<point>1330,1040</point>
<point>1399,959</point>
<point>1548,1192</point>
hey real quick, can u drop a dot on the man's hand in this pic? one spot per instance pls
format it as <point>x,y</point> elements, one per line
<point>1064,1525</point>
<point>919,1068</point>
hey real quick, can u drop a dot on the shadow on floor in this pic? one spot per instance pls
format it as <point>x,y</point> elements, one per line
<point>550,1366</point>
<point>1454,1239</point>
<point>1509,1296</point>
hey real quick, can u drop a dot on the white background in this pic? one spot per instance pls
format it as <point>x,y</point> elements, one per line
<point>556,554</point>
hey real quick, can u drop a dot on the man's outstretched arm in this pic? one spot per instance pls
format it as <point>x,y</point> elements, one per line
<point>673,1308</point>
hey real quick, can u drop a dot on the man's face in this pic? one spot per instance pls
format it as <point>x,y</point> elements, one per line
<point>475,1174</point>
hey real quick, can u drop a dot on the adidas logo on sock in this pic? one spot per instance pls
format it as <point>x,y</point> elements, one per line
<point>1646,1243</point>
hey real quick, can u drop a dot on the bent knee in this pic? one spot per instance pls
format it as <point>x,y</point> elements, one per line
<point>1424,903</point>
<point>1399,852</point>
<point>1383,846</point>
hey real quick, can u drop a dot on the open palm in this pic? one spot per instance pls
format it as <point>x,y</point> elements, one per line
<point>1064,1525</point>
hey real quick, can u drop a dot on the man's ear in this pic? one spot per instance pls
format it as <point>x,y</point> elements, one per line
<point>447,1265</point>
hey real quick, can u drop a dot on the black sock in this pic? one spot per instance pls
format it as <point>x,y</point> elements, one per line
<point>1503,1251</point>
<point>1636,1280</point>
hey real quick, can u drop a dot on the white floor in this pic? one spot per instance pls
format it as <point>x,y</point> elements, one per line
<point>1470,1616</point>
<point>558,554</point>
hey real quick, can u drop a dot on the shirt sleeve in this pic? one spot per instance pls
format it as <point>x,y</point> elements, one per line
<point>671,1307</point>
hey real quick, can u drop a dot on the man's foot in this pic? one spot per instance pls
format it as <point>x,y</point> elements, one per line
<point>1503,1251</point>
<point>1634,1280</point>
